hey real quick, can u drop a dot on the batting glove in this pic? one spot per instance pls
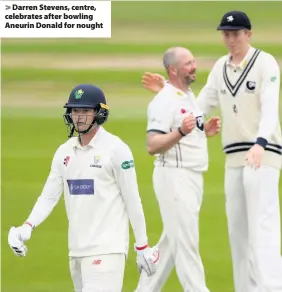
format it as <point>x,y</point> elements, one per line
<point>147,259</point>
<point>17,236</point>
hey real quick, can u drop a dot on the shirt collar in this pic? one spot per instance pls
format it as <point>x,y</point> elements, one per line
<point>93,141</point>
<point>244,62</point>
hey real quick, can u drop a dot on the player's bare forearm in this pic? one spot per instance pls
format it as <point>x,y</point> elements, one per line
<point>159,143</point>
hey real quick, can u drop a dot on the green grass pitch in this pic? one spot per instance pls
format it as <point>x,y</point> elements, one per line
<point>33,128</point>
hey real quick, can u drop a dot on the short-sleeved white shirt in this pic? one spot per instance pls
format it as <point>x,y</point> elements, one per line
<point>165,113</point>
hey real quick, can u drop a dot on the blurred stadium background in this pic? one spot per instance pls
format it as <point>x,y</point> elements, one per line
<point>37,76</point>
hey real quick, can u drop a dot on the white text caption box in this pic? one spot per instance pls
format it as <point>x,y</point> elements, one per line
<point>55,19</point>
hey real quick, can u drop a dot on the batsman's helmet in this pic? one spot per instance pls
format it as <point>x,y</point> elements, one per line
<point>89,97</point>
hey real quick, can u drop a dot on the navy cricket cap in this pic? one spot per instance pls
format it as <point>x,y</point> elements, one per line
<point>85,96</point>
<point>235,20</point>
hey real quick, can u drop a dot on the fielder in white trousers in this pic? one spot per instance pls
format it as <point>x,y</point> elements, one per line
<point>253,213</point>
<point>179,192</point>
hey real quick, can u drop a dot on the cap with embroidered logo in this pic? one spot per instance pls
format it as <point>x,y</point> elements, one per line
<point>235,20</point>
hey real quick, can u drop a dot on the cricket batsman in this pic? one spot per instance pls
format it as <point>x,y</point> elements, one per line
<point>245,83</point>
<point>95,170</point>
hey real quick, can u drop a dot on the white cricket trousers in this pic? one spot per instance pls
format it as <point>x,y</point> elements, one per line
<point>253,215</point>
<point>101,273</point>
<point>179,193</point>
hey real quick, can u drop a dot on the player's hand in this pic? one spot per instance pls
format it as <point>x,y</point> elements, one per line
<point>16,238</point>
<point>153,81</point>
<point>188,124</point>
<point>147,260</point>
<point>254,156</point>
<point>212,126</point>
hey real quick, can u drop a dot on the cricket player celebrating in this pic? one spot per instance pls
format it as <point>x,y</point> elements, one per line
<point>245,83</point>
<point>95,170</point>
<point>177,136</point>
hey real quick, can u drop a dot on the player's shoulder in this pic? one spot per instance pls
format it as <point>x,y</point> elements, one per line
<point>264,54</point>
<point>267,59</point>
<point>219,63</point>
<point>64,148</point>
<point>162,99</point>
<point>68,144</point>
<point>114,141</point>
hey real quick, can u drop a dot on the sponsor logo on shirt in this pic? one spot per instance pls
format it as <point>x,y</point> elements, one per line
<point>66,161</point>
<point>81,186</point>
<point>127,164</point>
<point>273,78</point>
<point>154,120</point>
<point>96,262</point>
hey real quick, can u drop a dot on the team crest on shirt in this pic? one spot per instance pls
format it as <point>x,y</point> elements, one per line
<point>250,86</point>
<point>96,162</point>
<point>200,122</point>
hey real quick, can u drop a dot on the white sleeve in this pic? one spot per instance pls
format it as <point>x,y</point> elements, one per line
<point>269,98</point>
<point>126,179</point>
<point>51,193</point>
<point>160,117</point>
<point>207,99</point>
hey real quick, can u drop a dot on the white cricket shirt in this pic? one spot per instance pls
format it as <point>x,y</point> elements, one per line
<point>100,192</point>
<point>165,113</point>
<point>248,95</point>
